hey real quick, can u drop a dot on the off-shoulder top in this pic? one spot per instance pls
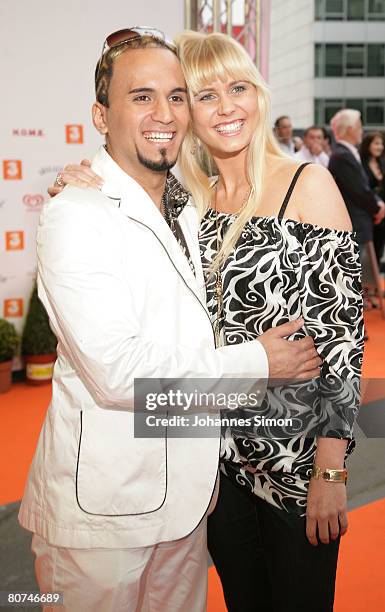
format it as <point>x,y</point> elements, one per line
<point>279,270</point>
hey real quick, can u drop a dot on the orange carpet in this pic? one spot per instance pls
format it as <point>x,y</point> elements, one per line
<point>374,356</point>
<point>22,411</point>
<point>360,580</point>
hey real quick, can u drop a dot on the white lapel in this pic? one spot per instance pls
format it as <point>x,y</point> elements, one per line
<point>136,204</point>
<point>189,222</point>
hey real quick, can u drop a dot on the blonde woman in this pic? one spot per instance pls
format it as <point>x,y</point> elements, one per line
<point>276,243</point>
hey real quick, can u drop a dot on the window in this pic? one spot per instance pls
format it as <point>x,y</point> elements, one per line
<point>333,60</point>
<point>325,109</point>
<point>331,107</point>
<point>372,110</point>
<point>356,10</point>
<point>349,60</point>
<point>334,9</point>
<point>357,104</point>
<point>319,60</point>
<point>376,61</point>
<point>350,10</point>
<point>318,112</point>
<point>318,10</point>
<point>355,60</point>
<point>375,112</point>
<point>376,10</point>
<point>329,9</point>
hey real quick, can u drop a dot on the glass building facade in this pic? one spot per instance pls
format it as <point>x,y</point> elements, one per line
<point>349,59</point>
<point>350,10</point>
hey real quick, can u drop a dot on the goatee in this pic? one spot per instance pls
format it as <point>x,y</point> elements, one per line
<point>157,166</point>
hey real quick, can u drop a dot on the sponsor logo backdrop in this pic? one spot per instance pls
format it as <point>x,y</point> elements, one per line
<point>31,157</point>
<point>47,72</point>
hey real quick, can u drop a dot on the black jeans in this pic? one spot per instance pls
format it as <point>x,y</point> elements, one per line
<point>264,559</point>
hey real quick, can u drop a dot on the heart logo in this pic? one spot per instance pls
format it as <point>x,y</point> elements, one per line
<point>33,200</point>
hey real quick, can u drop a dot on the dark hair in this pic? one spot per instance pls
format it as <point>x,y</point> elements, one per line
<point>365,145</point>
<point>279,119</point>
<point>104,67</point>
<point>311,128</point>
<point>327,135</point>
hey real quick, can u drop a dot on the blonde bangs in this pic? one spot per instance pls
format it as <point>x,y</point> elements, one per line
<point>206,59</point>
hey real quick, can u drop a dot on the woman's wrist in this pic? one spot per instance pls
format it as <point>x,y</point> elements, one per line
<point>330,453</point>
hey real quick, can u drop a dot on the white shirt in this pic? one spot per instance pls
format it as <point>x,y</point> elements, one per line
<point>289,148</point>
<point>304,155</point>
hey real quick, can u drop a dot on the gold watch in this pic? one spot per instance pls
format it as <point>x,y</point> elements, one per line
<point>330,475</point>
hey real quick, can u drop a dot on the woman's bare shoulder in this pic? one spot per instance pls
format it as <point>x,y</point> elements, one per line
<point>317,199</point>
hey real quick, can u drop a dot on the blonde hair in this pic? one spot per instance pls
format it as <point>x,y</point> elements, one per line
<point>206,58</point>
<point>341,121</point>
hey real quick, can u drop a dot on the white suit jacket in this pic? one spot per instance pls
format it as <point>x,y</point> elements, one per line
<point>124,304</point>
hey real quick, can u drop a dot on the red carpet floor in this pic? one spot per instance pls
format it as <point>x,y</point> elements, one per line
<point>360,580</point>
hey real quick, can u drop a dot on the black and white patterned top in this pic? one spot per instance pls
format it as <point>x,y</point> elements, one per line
<point>282,269</point>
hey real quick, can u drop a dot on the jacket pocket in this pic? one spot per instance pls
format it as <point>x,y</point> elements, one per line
<point>117,474</point>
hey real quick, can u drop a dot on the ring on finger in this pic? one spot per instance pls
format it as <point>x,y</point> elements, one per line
<point>59,180</point>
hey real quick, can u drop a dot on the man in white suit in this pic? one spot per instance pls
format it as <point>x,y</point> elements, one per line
<point>120,522</point>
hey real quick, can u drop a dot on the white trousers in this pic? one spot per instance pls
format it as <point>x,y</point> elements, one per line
<point>167,577</point>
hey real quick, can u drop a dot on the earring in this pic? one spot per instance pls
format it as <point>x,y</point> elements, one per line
<point>194,147</point>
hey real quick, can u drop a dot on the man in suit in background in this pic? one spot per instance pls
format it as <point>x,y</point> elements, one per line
<point>364,206</point>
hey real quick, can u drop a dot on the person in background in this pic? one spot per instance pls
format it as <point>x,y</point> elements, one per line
<point>365,207</point>
<point>312,149</point>
<point>326,142</point>
<point>298,143</point>
<point>371,152</point>
<point>283,130</point>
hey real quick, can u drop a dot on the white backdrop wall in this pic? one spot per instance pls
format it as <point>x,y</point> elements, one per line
<point>291,65</point>
<point>49,50</point>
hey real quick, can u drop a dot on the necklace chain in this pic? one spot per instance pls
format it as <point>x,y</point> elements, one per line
<point>218,287</point>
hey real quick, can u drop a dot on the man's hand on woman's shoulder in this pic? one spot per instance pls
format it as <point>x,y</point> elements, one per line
<point>78,176</point>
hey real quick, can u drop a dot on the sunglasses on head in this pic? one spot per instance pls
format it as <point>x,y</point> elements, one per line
<point>121,37</point>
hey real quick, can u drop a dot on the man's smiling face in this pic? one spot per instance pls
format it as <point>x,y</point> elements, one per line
<point>148,113</point>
